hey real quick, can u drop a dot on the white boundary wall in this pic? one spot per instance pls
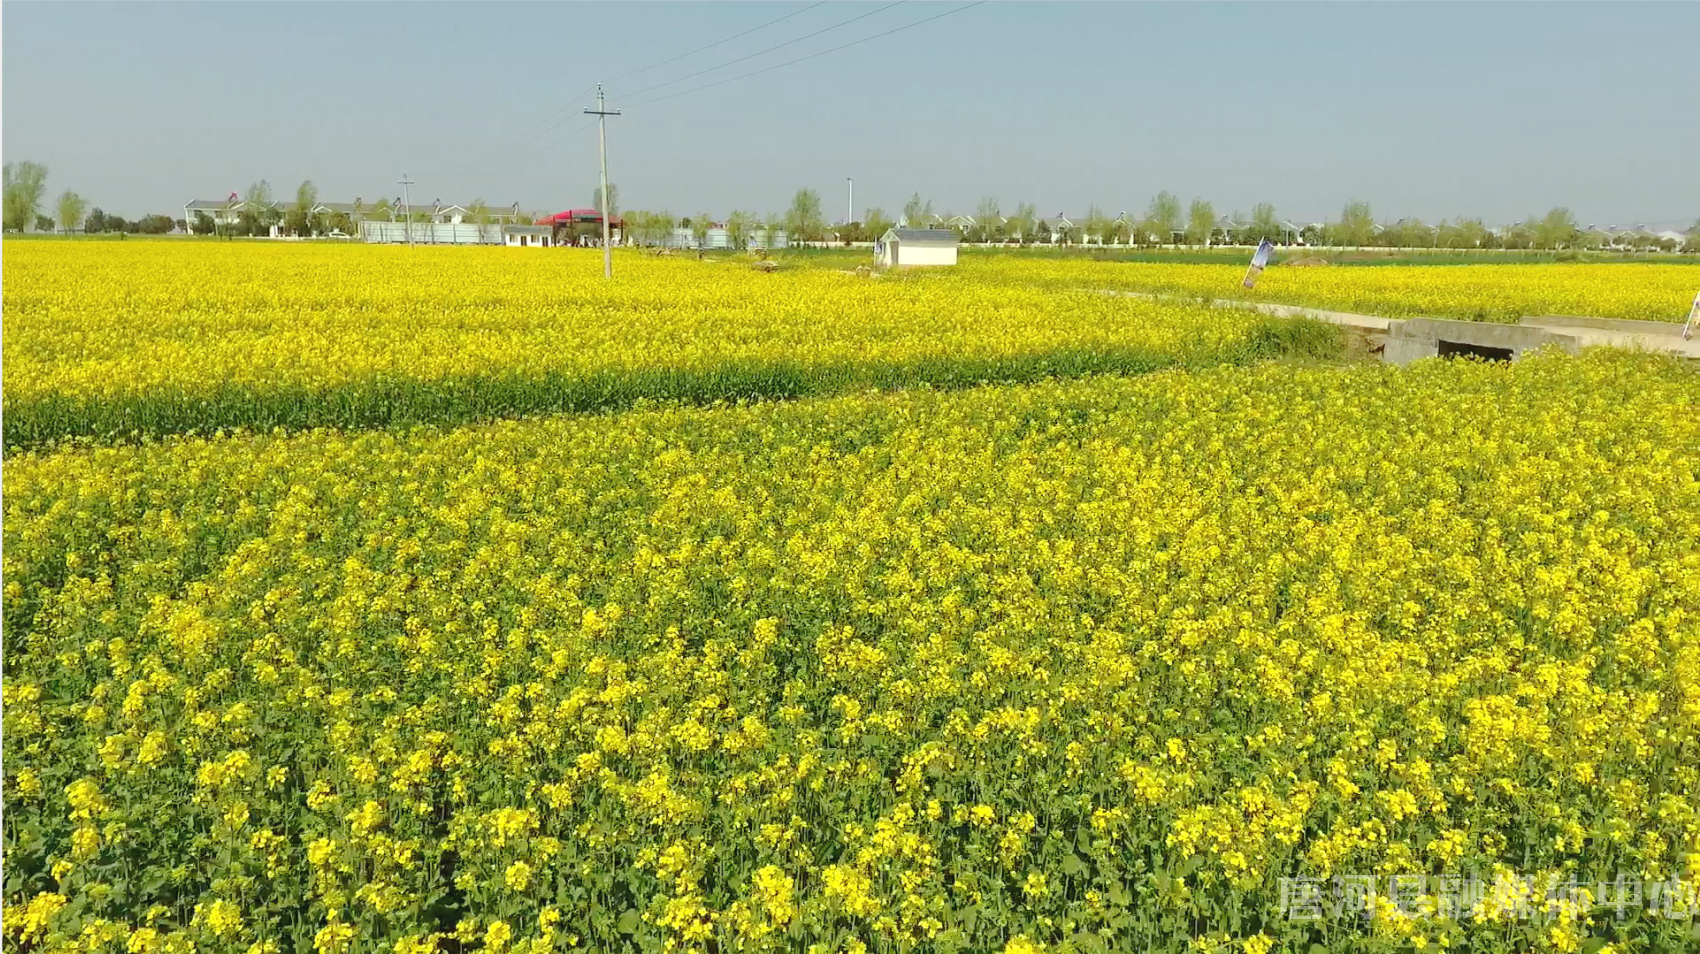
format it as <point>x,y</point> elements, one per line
<point>683,238</point>
<point>430,233</point>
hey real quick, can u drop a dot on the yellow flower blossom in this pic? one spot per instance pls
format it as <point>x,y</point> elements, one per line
<point>887,666</point>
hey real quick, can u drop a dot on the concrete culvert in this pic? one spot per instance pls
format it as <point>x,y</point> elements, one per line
<point>1460,349</point>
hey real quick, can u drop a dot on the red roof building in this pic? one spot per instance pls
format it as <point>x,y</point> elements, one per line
<point>579,217</point>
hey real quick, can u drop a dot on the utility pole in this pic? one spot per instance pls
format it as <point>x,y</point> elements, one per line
<point>601,112</point>
<point>406,209</point>
<point>850,204</point>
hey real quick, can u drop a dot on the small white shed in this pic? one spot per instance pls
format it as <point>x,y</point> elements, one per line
<point>909,248</point>
<point>533,236</point>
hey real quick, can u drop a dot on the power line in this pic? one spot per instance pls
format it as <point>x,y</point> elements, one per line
<point>811,56</point>
<point>541,149</point>
<point>551,124</point>
<point>770,49</point>
<point>505,159</point>
<point>541,129</point>
<point>564,110</point>
<point>843,46</point>
<point>558,118</point>
<point>716,43</point>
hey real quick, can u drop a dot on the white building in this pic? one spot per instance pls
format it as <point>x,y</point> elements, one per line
<point>229,211</point>
<point>527,236</point>
<point>910,248</point>
<point>1060,228</point>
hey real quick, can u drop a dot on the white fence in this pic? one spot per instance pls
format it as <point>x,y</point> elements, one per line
<point>712,239</point>
<point>427,233</point>
<point>430,233</point>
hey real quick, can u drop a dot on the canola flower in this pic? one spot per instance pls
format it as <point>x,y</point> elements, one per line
<point>120,340</point>
<point>1501,293</point>
<point>1073,666</point>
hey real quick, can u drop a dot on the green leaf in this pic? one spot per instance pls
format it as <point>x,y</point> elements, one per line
<point>1087,941</point>
<point>629,921</point>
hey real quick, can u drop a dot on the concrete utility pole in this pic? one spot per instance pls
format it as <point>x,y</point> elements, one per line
<point>850,204</point>
<point>601,112</point>
<point>406,209</point>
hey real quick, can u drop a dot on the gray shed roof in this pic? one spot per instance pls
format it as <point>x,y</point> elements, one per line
<point>924,235</point>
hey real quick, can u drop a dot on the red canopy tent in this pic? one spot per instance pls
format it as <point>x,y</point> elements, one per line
<point>578,216</point>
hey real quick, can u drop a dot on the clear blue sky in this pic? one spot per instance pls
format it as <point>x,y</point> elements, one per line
<point>1433,110</point>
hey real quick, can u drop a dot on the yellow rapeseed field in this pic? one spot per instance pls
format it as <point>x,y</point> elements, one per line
<point>1502,293</point>
<point>110,339</point>
<point>1071,666</point>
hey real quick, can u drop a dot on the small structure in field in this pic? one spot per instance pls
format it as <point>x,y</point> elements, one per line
<point>527,236</point>
<point>911,248</point>
<point>582,227</point>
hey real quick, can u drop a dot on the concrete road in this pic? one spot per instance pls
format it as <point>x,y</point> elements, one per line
<point>1588,332</point>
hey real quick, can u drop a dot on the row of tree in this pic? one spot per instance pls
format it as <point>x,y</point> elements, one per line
<point>804,221</point>
<point>26,190</point>
<point>1165,222</point>
<point>255,212</point>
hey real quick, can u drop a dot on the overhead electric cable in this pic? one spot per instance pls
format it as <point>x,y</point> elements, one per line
<point>811,56</point>
<point>541,129</point>
<point>541,149</point>
<point>716,43</point>
<point>770,49</point>
<point>551,124</point>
